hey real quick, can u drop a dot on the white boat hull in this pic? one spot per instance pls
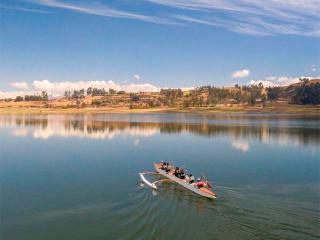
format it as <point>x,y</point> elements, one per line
<point>184,184</point>
<point>145,181</point>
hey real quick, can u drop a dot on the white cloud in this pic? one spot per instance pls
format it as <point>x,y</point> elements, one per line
<point>144,87</point>
<point>252,17</point>
<point>279,81</point>
<point>13,94</point>
<point>136,77</point>
<point>195,20</point>
<point>57,89</point>
<point>241,73</point>
<point>241,146</point>
<point>313,68</point>
<point>265,83</point>
<point>31,10</point>
<point>102,10</point>
<point>187,88</point>
<point>20,85</point>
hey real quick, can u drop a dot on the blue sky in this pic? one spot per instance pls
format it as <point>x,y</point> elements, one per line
<point>176,43</point>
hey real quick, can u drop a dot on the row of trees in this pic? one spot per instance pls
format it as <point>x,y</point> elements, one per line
<point>79,94</point>
<point>76,94</point>
<point>245,94</point>
<point>171,93</point>
<point>42,97</point>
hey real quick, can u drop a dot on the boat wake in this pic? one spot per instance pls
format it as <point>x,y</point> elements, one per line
<point>158,211</point>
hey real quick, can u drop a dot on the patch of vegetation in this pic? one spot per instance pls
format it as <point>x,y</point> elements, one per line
<point>307,93</point>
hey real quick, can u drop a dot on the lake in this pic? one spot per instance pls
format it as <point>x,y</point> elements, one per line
<point>76,176</point>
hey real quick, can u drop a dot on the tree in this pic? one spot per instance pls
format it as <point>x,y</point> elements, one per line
<point>273,93</point>
<point>112,91</point>
<point>44,96</point>
<point>96,92</point>
<point>255,92</point>
<point>172,93</point>
<point>135,98</point>
<point>67,94</point>
<point>89,91</point>
<point>237,96</point>
<point>186,103</point>
<point>304,80</point>
<point>78,94</point>
<point>18,99</point>
<point>218,95</point>
<point>81,93</point>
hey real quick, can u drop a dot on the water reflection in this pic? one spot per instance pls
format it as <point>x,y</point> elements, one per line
<point>241,146</point>
<point>293,132</point>
<point>78,176</point>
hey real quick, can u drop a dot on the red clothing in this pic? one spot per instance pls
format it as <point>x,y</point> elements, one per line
<point>200,184</point>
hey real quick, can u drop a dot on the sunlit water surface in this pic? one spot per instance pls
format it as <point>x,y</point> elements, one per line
<point>76,176</point>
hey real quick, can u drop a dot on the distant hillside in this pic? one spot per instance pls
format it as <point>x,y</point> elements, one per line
<point>302,93</point>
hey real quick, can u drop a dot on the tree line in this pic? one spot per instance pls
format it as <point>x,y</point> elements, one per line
<point>79,94</point>
<point>35,97</point>
<point>210,95</point>
<point>305,92</point>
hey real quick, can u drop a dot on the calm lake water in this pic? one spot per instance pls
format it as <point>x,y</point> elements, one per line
<point>76,176</point>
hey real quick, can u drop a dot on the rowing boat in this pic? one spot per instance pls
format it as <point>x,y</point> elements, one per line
<point>205,191</point>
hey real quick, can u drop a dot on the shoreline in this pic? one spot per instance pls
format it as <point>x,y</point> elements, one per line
<point>269,109</point>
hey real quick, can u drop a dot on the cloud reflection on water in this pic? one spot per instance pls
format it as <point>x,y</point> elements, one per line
<point>241,146</point>
<point>20,132</point>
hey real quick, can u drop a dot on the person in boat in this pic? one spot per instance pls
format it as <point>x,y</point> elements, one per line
<point>186,179</point>
<point>162,165</point>
<point>200,183</point>
<point>191,178</point>
<point>167,169</point>
<point>177,172</point>
<point>182,174</point>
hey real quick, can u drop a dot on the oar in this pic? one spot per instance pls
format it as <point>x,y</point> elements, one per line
<point>208,184</point>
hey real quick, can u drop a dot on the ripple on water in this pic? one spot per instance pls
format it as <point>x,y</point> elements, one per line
<point>235,214</point>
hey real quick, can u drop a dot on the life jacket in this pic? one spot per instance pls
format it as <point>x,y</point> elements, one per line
<point>200,184</point>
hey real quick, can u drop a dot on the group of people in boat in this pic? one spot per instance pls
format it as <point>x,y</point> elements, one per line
<point>181,174</point>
